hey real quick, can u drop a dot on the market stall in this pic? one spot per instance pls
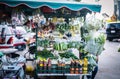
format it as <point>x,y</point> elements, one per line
<point>59,50</point>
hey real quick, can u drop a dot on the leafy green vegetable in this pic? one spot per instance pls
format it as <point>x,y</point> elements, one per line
<point>92,61</point>
<point>62,27</point>
<point>68,55</point>
<point>60,46</point>
<point>101,39</point>
<point>74,44</point>
<point>43,43</point>
<point>45,54</point>
<point>95,46</point>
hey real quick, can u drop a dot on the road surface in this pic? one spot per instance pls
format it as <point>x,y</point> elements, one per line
<point>109,62</point>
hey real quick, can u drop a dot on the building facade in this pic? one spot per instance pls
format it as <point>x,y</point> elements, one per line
<point>117,8</point>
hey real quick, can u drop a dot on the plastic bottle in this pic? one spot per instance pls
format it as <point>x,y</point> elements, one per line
<point>72,67</point>
<point>44,66</point>
<point>41,66</point>
<point>49,66</point>
<point>76,67</point>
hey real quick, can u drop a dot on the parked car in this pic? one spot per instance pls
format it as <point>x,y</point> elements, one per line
<point>8,38</point>
<point>113,30</point>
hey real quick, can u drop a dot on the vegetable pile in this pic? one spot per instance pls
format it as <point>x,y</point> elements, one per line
<point>43,43</point>
<point>60,46</point>
<point>68,55</point>
<point>95,46</point>
<point>45,54</point>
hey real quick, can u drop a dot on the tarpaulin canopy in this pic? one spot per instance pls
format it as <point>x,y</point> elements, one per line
<point>75,6</point>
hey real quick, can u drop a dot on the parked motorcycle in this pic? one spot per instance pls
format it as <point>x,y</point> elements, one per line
<point>12,65</point>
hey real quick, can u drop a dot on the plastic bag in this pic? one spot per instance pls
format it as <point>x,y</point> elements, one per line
<point>91,47</point>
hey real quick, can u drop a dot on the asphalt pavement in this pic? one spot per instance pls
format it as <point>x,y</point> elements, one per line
<point>109,62</point>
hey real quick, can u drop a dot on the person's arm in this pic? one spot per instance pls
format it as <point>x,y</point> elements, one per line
<point>97,58</point>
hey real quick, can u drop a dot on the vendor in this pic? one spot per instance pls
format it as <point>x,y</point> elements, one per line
<point>95,70</point>
<point>95,47</point>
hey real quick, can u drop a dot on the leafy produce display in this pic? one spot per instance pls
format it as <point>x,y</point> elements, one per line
<point>95,45</point>
<point>43,43</point>
<point>60,46</point>
<point>74,44</point>
<point>68,55</point>
<point>91,59</point>
<point>66,50</point>
<point>101,39</point>
<point>62,27</point>
<point>45,54</point>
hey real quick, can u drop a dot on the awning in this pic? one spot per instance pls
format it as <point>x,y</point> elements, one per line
<point>75,6</point>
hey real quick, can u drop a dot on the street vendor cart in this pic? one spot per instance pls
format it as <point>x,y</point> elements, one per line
<point>58,50</point>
